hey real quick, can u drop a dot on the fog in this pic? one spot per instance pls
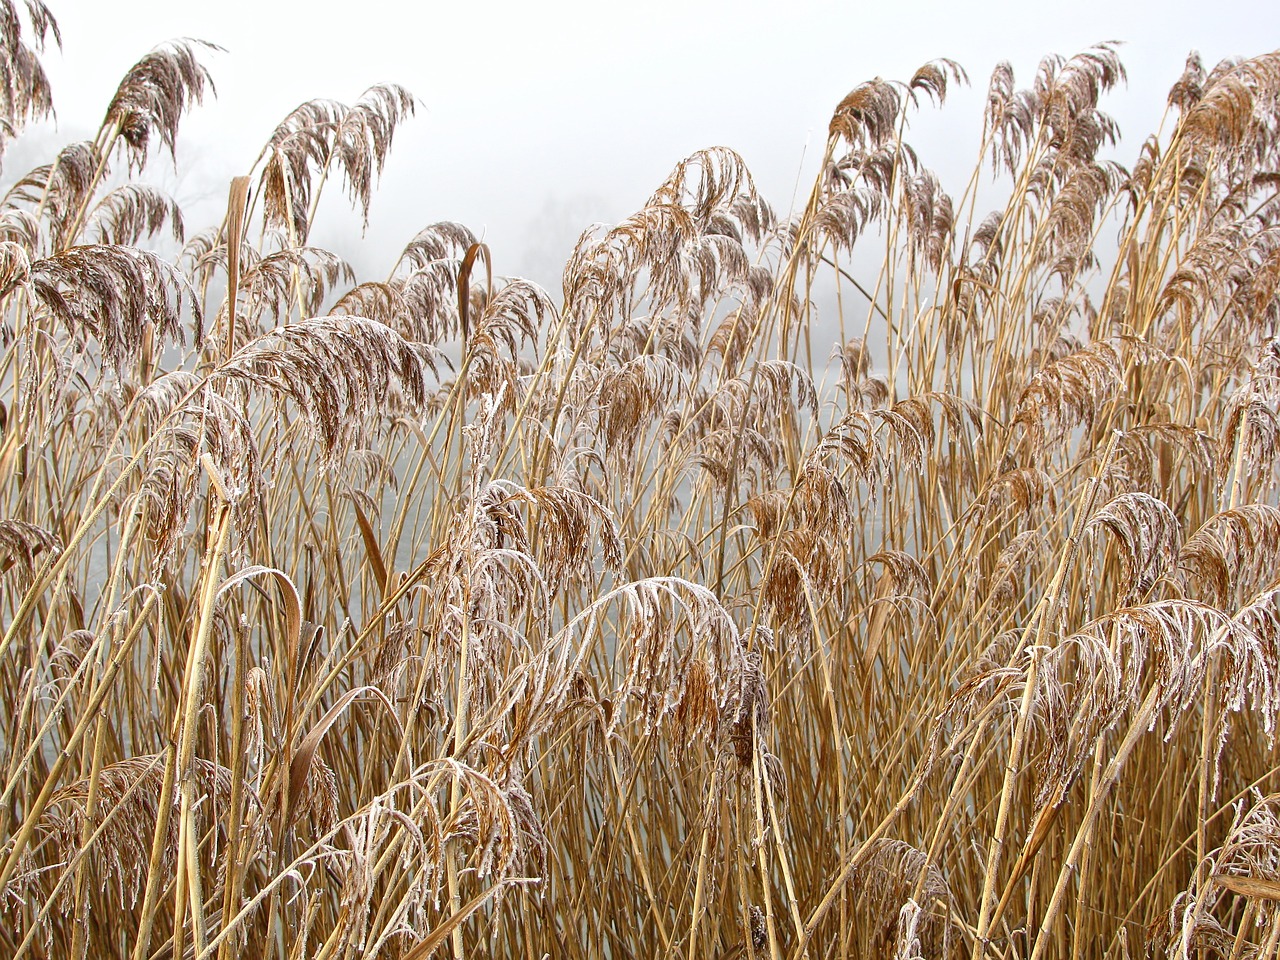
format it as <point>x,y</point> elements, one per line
<point>537,119</point>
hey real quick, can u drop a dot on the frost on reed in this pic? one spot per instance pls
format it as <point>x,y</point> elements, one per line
<point>440,614</point>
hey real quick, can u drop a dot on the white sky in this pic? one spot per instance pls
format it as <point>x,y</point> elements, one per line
<point>538,118</point>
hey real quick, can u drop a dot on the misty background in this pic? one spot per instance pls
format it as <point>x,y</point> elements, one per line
<point>536,120</point>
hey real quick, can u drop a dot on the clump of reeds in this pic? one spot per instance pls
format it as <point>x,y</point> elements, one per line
<point>728,602</point>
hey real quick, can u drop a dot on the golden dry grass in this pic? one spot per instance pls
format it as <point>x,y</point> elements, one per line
<point>443,614</point>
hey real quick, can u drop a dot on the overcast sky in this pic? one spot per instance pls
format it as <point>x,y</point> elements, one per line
<point>538,118</point>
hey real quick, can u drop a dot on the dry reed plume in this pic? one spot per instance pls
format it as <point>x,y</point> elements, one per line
<point>438,614</point>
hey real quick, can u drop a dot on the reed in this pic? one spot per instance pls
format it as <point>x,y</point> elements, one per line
<point>441,614</point>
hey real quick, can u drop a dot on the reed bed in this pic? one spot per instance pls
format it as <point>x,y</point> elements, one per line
<point>444,615</point>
